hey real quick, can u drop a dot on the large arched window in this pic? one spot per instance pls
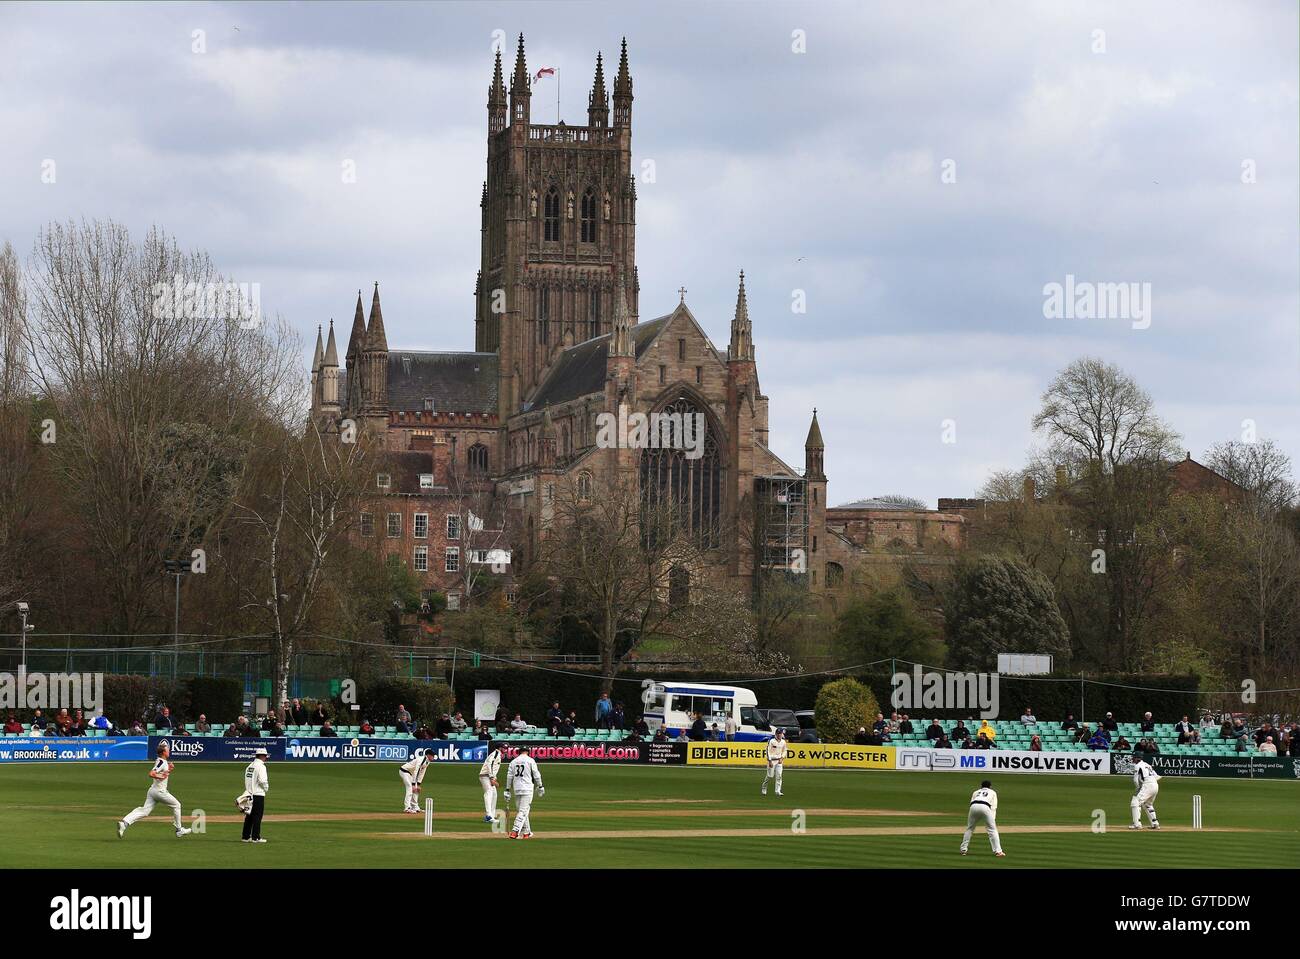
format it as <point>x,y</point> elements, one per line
<point>551,216</point>
<point>589,216</point>
<point>477,459</point>
<point>681,476</point>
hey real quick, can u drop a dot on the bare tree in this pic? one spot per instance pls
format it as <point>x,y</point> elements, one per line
<point>291,520</point>
<point>159,390</point>
<point>1259,468</point>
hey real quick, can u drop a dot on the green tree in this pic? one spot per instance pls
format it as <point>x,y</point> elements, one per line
<point>843,707</point>
<point>1002,605</point>
<point>884,625</point>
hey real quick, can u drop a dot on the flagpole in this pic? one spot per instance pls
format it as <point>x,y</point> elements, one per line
<point>557,96</point>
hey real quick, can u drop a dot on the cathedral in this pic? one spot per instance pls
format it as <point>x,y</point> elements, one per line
<point>559,340</point>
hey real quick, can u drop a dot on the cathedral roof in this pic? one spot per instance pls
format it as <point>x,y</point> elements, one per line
<point>880,504</point>
<point>580,370</point>
<point>457,382</point>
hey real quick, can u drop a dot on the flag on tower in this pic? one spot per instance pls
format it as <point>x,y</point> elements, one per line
<point>544,72</point>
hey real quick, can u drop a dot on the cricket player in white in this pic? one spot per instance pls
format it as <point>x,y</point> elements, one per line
<point>983,809</point>
<point>521,775</point>
<point>412,773</point>
<point>777,748</point>
<point>487,777</point>
<point>1146,786</point>
<point>158,793</point>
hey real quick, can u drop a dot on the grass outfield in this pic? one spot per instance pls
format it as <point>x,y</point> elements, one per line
<point>347,815</point>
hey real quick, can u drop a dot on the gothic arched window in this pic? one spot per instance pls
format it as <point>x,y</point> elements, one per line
<point>589,216</point>
<point>551,216</point>
<point>679,586</point>
<point>477,457</point>
<point>584,485</point>
<point>679,488</point>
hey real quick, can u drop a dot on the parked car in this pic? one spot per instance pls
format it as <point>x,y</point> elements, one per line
<point>768,720</point>
<point>807,726</point>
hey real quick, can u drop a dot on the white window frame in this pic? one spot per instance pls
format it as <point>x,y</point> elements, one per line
<point>453,526</point>
<point>421,559</point>
<point>383,481</point>
<point>415,526</point>
<point>426,481</point>
<point>370,519</point>
<point>451,563</point>
<point>388,526</point>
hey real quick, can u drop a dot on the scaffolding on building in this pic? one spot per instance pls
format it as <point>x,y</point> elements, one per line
<point>781,518</point>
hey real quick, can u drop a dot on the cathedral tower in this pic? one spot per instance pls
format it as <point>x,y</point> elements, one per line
<point>558,225</point>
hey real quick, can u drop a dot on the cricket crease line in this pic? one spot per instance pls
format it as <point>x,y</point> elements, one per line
<point>556,814</point>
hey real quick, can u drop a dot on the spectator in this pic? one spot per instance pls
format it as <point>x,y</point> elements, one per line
<point>1124,745</point>
<point>943,742</point>
<point>62,722</point>
<point>881,724</point>
<point>573,719</point>
<point>458,723</point>
<point>1148,726</point>
<point>553,717</point>
<point>481,730</point>
<point>274,729</point>
<point>327,730</point>
<point>232,731</point>
<point>633,737</point>
<point>661,735</point>
<point>987,730</point>
<point>1225,730</point>
<point>367,729</point>
<point>442,728</point>
<point>180,730</point>
<point>1109,723</point>
<point>983,741</point>
<point>12,725</point>
<point>892,728</point>
<point>203,726</point>
<point>1150,747</point>
<point>247,730</point>
<point>1036,744</point>
<point>1105,733</point>
<point>617,718</point>
<point>934,730</point>
<point>103,722</point>
<point>1239,733</point>
<point>402,719</point>
<point>164,719</point>
<point>968,743</point>
<point>424,732</point>
<point>1267,747</point>
<point>1028,719</point>
<point>1184,728</point>
<point>78,725</point>
<point>319,717</point>
<point>604,708</point>
<point>268,721</point>
<point>959,732</point>
<point>715,734</point>
<point>905,724</point>
<point>38,719</point>
<point>1083,735</point>
<point>699,732</point>
<point>1264,732</point>
<point>517,725</point>
<point>38,730</point>
<point>1098,741</point>
<point>566,728</point>
<point>1069,722</point>
<point>642,728</point>
<point>860,738</point>
<point>503,721</point>
<point>299,713</point>
<point>1190,736</point>
<point>286,712</point>
<point>729,728</point>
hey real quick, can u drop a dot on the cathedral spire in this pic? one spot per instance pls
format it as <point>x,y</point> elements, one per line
<point>332,350</point>
<point>814,449</point>
<point>623,91</point>
<point>376,340</point>
<point>620,342</point>
<point>357,341</point>
<point>598,101</point>
<point>741,346</point>
<point>316,358</point>
<point>520,87</point>
<point>497,99</point>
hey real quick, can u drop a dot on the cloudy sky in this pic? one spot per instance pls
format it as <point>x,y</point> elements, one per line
<point>920,171</point>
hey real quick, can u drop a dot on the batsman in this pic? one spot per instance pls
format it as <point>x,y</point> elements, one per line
<point>412,773</point>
